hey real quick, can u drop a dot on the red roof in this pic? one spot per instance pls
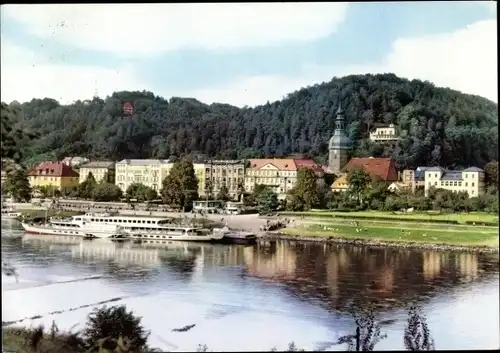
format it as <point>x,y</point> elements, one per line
<point>385,168</point>
<point>308,163</point>
<point>53,169</point>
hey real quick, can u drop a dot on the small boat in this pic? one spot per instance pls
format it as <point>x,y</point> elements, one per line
<point>8,213</point>
<point>236,236</point>
<point>85,230</point>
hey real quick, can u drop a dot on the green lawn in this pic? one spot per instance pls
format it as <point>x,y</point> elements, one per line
<point>460,217</point>
<point>429,235</point>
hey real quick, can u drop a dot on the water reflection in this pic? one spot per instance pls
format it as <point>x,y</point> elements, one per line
<point>337,276</point>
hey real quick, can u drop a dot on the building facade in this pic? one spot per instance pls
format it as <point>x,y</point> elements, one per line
<point>74,161</point>
<point>149,172</point>
<point>414,178</point>
<point>470,180</point>
<point>54,174</point>
<point>279,174</point>
<point>381,168</point>
<point>338,146</point>
<point>384,133</point>
<point>99,170</point>
<point>230,173</point>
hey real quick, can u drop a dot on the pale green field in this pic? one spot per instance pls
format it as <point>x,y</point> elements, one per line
<point>460,217</point>
<point>485,236</point>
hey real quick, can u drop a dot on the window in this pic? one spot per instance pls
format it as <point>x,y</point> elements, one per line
<point>472,184</point>
<point>472,192</point>
<point>435,183</point>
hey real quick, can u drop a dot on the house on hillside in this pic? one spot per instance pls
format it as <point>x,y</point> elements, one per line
<point>280,174</point>
<point>383,133</point>
<point>383,168</point>
<point>55,174</point>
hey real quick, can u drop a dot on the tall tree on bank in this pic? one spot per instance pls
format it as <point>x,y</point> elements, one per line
<point>17,185</point>
<point>86,189</point>
<point>358,181</point>
<point>305,193</point>
<point>267,201</point>
<point>180,187</point>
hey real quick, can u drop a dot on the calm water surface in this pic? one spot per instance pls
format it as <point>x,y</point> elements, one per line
<point>252,298</point>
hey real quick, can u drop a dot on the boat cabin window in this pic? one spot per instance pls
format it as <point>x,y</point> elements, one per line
<point>78,219</point>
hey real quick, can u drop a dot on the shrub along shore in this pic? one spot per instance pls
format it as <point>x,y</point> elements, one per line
<point>437,232</point>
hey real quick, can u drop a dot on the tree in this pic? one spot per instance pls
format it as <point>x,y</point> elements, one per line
<point>240,190</point>
<point>417,336</point>
<point>106,192</point>
<point>111,325</point>
<point>491,174</point>
<point>49,191</point>
<point>141,192</point>
<point>305,193</point>
<point>86,188</point>
<point>267,200</point>
<point>180,187</point>
<point>17,184</point>
<point>209,188</point>
<point>358,181</point>
<point>223,194</point>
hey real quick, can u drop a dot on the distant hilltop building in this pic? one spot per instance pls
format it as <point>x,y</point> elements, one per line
<point>383,133</point>
<point>338,146</point>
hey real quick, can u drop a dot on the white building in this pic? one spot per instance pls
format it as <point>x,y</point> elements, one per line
<point>470,180</point>
<point>384,133</point>
<point>150,172</point>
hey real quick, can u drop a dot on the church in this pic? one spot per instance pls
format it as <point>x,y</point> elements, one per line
<point>339,163</point>
<point>338,146</point>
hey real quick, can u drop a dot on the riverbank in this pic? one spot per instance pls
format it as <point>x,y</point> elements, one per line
<point>471,218</point>
<point>484,240</point>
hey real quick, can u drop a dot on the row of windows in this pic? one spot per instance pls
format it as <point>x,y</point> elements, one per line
<point>112,220</point>
<point>451,183</point>
<point>269,173</point>
<point>268,180</point>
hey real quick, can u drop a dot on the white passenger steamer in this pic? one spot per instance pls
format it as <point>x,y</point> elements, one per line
<point>148,228</point>
<point>76,226</point>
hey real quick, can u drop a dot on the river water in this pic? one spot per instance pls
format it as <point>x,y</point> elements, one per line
<point>253,297</point>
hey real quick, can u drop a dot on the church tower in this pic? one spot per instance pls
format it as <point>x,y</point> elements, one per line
<point>339,145</point>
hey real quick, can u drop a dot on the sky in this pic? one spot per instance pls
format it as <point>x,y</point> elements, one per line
<point>243,54</point>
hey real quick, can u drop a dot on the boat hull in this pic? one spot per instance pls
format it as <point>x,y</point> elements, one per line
<point>84,233</point>
<point>172,237</point>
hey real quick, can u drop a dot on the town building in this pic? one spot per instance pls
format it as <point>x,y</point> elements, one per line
<point>55,174</point>
<point>383,133</point>
<point>280,174</point>
<point>470,180</point>
<point>99,170</point>
<point>149,172</point>
<point>381,168</point>
<point>338,146</point>
<point>74,161</point>
<point>414,178</point>
<point>230,173</point>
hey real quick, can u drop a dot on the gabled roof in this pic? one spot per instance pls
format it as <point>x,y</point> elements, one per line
<point>435,169</point>
<point>53,169</point>
<point>473,169</point>
<point>340,182</point>
<point>384,168</point>
<point>144,161</point>
<point>308,163</point>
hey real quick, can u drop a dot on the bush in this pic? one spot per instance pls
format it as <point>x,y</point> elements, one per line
<point>108,327</point>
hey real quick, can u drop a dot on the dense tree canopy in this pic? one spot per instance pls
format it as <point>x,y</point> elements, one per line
<point>440,126</point>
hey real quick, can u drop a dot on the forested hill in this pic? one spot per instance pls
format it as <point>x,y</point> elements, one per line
<point>440,126</point>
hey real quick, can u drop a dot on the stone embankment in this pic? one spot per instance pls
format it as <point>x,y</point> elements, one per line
<point>381,244</point>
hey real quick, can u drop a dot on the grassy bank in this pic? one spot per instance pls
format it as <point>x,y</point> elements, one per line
<point>402,232</point>
<point>22,340</point>
<point>431,216</point>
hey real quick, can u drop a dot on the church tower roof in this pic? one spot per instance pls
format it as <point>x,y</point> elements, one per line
<point>339,140</point>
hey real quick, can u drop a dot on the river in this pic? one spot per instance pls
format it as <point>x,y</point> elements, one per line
<point>253,297</point>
